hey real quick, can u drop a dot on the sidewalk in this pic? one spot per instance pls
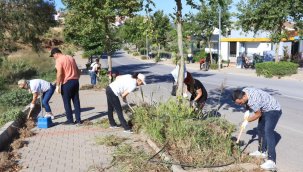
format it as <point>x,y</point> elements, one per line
<point>226,70</point>
<point>68,148</point>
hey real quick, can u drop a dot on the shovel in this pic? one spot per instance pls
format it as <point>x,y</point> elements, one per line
<point>130,107</point>
<point>29,113</point>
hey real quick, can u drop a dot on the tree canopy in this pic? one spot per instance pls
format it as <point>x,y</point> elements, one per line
<point>270,15</point>
<point>90,23</point>
<point>24,21</point>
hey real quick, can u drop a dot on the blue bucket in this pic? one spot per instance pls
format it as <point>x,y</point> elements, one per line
<point>44,122</point>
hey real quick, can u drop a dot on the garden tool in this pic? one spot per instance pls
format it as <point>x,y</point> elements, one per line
<point>29,113</point>
<point>130,107</point>
<point>244,124</point>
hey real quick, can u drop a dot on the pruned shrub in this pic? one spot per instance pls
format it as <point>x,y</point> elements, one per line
<point>280,69</point>
<point>136,54</point>
<point>143,57</point>
<point>15,98</point>
<point>213,66</point>
<point>10,115</point>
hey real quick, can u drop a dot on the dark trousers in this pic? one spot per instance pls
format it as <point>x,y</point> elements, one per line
<point>266,126</point>
<point>47,96</point>
<point>70,91</point>
<point>113,102</point>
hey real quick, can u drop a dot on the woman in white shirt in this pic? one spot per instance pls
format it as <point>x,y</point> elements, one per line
<point>36,87</point>
<point>122,86</point>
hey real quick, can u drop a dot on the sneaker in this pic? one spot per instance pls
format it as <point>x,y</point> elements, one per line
<point>49,114</point>
<point>128,131</point>
<point>269,165</point>
<point>258,154</point>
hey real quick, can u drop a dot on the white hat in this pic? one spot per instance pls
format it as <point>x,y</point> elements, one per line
<point>142,78</point>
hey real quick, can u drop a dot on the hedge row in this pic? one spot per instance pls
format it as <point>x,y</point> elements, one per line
<point>270,69</point>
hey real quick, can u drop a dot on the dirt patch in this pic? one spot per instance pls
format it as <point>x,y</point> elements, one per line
<point>8,162</point>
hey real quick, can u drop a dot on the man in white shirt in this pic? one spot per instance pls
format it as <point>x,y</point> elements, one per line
<point>122,86</point>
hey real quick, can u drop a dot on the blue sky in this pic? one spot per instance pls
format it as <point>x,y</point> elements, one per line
<point>166,5</point>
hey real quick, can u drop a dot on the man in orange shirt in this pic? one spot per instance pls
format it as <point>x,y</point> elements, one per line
<point>67,83</point>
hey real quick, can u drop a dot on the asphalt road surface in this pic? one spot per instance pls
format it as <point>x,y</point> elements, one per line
<point>288,93</point>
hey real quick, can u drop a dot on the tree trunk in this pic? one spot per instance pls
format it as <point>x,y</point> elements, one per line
<point>277,52</point>
<point>109,62</point>
<point>159,47</point>
<point>180,47</point>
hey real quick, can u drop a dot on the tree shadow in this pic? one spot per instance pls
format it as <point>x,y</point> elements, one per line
<point>98,115</point>
<point>254,137</point>
<point>222,97</point>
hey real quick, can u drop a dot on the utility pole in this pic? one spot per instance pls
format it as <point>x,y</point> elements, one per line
<point>219,41</point>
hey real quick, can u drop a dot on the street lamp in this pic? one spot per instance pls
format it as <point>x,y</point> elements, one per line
<point>219,43</point>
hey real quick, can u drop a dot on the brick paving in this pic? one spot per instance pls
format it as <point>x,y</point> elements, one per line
<point>66,148</point>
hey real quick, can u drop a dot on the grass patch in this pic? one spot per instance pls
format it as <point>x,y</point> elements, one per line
<point>128,159</point>
<point>190,140</point>
<point>10,115</point>
<point>110,140</point>
<point>104,123</point>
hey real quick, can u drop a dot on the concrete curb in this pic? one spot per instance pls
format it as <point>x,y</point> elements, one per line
<point>178,168</point>
<point>9,130</point>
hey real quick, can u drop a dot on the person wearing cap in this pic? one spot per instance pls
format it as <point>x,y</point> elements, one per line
<point>122,86</point>
<point>42,87</point>
<point>67,83</point>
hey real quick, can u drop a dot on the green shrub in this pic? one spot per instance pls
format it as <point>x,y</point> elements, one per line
<point>270,69</point>
<point>103,81</point>
<point>200,55</point>
<point>125,48</point>
<point>164,54</point>
<point>142,51</point>
<point>136,54</point>
<point>2,83</point>
<point>191,140</point>
<point>213,66</point>
<point>157,59</point>
<point>10,115</point>
<point>86,55</point>
<point>15,98</point>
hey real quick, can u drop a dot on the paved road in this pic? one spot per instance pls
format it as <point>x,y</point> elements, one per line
<point>287,92</point>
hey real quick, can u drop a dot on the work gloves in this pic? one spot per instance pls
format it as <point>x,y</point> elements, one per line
<point>245,122</point>
<point>31,106</point>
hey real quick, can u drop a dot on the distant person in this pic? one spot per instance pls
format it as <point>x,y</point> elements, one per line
<point>268,110</point>
<point>122,86</point>
<point>67,83</point>
<point>198,93</point>
<point>94,72</point>
<point>39,87</point>
<point>207,62</point>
